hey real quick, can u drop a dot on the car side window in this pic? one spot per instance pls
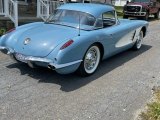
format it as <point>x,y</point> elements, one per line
<point>109,19</point>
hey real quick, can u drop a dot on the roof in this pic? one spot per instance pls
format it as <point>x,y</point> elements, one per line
<point>93,9</point>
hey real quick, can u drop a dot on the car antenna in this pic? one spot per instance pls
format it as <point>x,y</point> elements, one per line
<point>79,27</point>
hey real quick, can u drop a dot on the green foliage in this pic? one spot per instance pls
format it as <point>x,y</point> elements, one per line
<point>2,31</point>
<point>119,10</point>
<point>152,113</point>
<point>157,95</point>
<point>153,109</point>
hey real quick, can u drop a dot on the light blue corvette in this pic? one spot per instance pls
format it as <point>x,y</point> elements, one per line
<point>76,38</point>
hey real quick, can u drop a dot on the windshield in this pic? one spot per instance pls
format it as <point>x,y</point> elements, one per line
<point>140,0</point>
<point>72,18</point>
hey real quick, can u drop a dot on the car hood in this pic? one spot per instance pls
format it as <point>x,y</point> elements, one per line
<point>43,38</point>
<point>139,3</point>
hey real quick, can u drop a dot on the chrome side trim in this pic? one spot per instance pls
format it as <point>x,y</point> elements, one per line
<point>57,66</point>
<point>38,59</point>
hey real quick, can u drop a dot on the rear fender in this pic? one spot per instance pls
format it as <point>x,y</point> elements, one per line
<point>74,52</point>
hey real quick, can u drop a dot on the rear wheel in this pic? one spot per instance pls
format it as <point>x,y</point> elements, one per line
<point>157,15</point>
<point>90,61</point>
<point>139,41</point>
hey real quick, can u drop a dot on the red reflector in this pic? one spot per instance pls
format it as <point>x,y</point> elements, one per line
<point>11,30</point>
<point>66,44</point>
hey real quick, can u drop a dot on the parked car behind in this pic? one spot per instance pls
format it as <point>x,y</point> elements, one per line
<point>142,9</point>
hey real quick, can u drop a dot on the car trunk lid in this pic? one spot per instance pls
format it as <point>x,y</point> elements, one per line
<point>43,39</point>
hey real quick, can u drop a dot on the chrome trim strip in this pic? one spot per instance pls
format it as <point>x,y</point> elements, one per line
<point>133,13</point>
<point>57,66</point>
<point>135,5</point>
<point>2,48</point>
<point>38,59</point>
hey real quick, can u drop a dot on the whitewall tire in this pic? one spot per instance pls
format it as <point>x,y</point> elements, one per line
<point>139,41</point>
<point>90,61</point>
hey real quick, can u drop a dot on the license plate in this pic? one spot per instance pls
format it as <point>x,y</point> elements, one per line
<point>20,57</point>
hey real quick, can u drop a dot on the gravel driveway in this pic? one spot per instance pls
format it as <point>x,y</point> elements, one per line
<point>120,87</point>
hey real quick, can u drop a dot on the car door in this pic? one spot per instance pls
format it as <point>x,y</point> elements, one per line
<point>117,36</point>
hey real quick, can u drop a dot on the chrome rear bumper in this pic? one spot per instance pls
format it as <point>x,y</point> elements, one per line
<point>6,50</point>
<point>31,59</point>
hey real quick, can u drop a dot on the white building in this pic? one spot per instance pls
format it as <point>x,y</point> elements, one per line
<point>120,2</point>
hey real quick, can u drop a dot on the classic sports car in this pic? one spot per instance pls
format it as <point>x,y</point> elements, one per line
<point>76,38</point>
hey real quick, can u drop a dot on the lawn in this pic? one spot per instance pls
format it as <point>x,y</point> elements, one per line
<point>153,108</point>
<point>119,10</point>
<point>2,31</point>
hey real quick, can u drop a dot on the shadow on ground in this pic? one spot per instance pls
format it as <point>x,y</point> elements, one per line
<point>72,82</point>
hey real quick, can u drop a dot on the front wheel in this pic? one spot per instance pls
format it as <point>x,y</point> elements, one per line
<point>90,61</point>
<point>157,15</point>
<point>139,41</point>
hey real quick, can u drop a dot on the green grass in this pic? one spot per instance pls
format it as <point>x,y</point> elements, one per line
<point>2,31</point>
<point>153,108</point>
<point>119,10</point>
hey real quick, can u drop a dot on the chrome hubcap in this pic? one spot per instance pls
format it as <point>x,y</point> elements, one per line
<point>92,59</point>
<point>139,40</point>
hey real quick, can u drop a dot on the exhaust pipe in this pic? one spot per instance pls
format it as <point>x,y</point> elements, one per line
<point>30,64</point>
<point>51,67</point>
